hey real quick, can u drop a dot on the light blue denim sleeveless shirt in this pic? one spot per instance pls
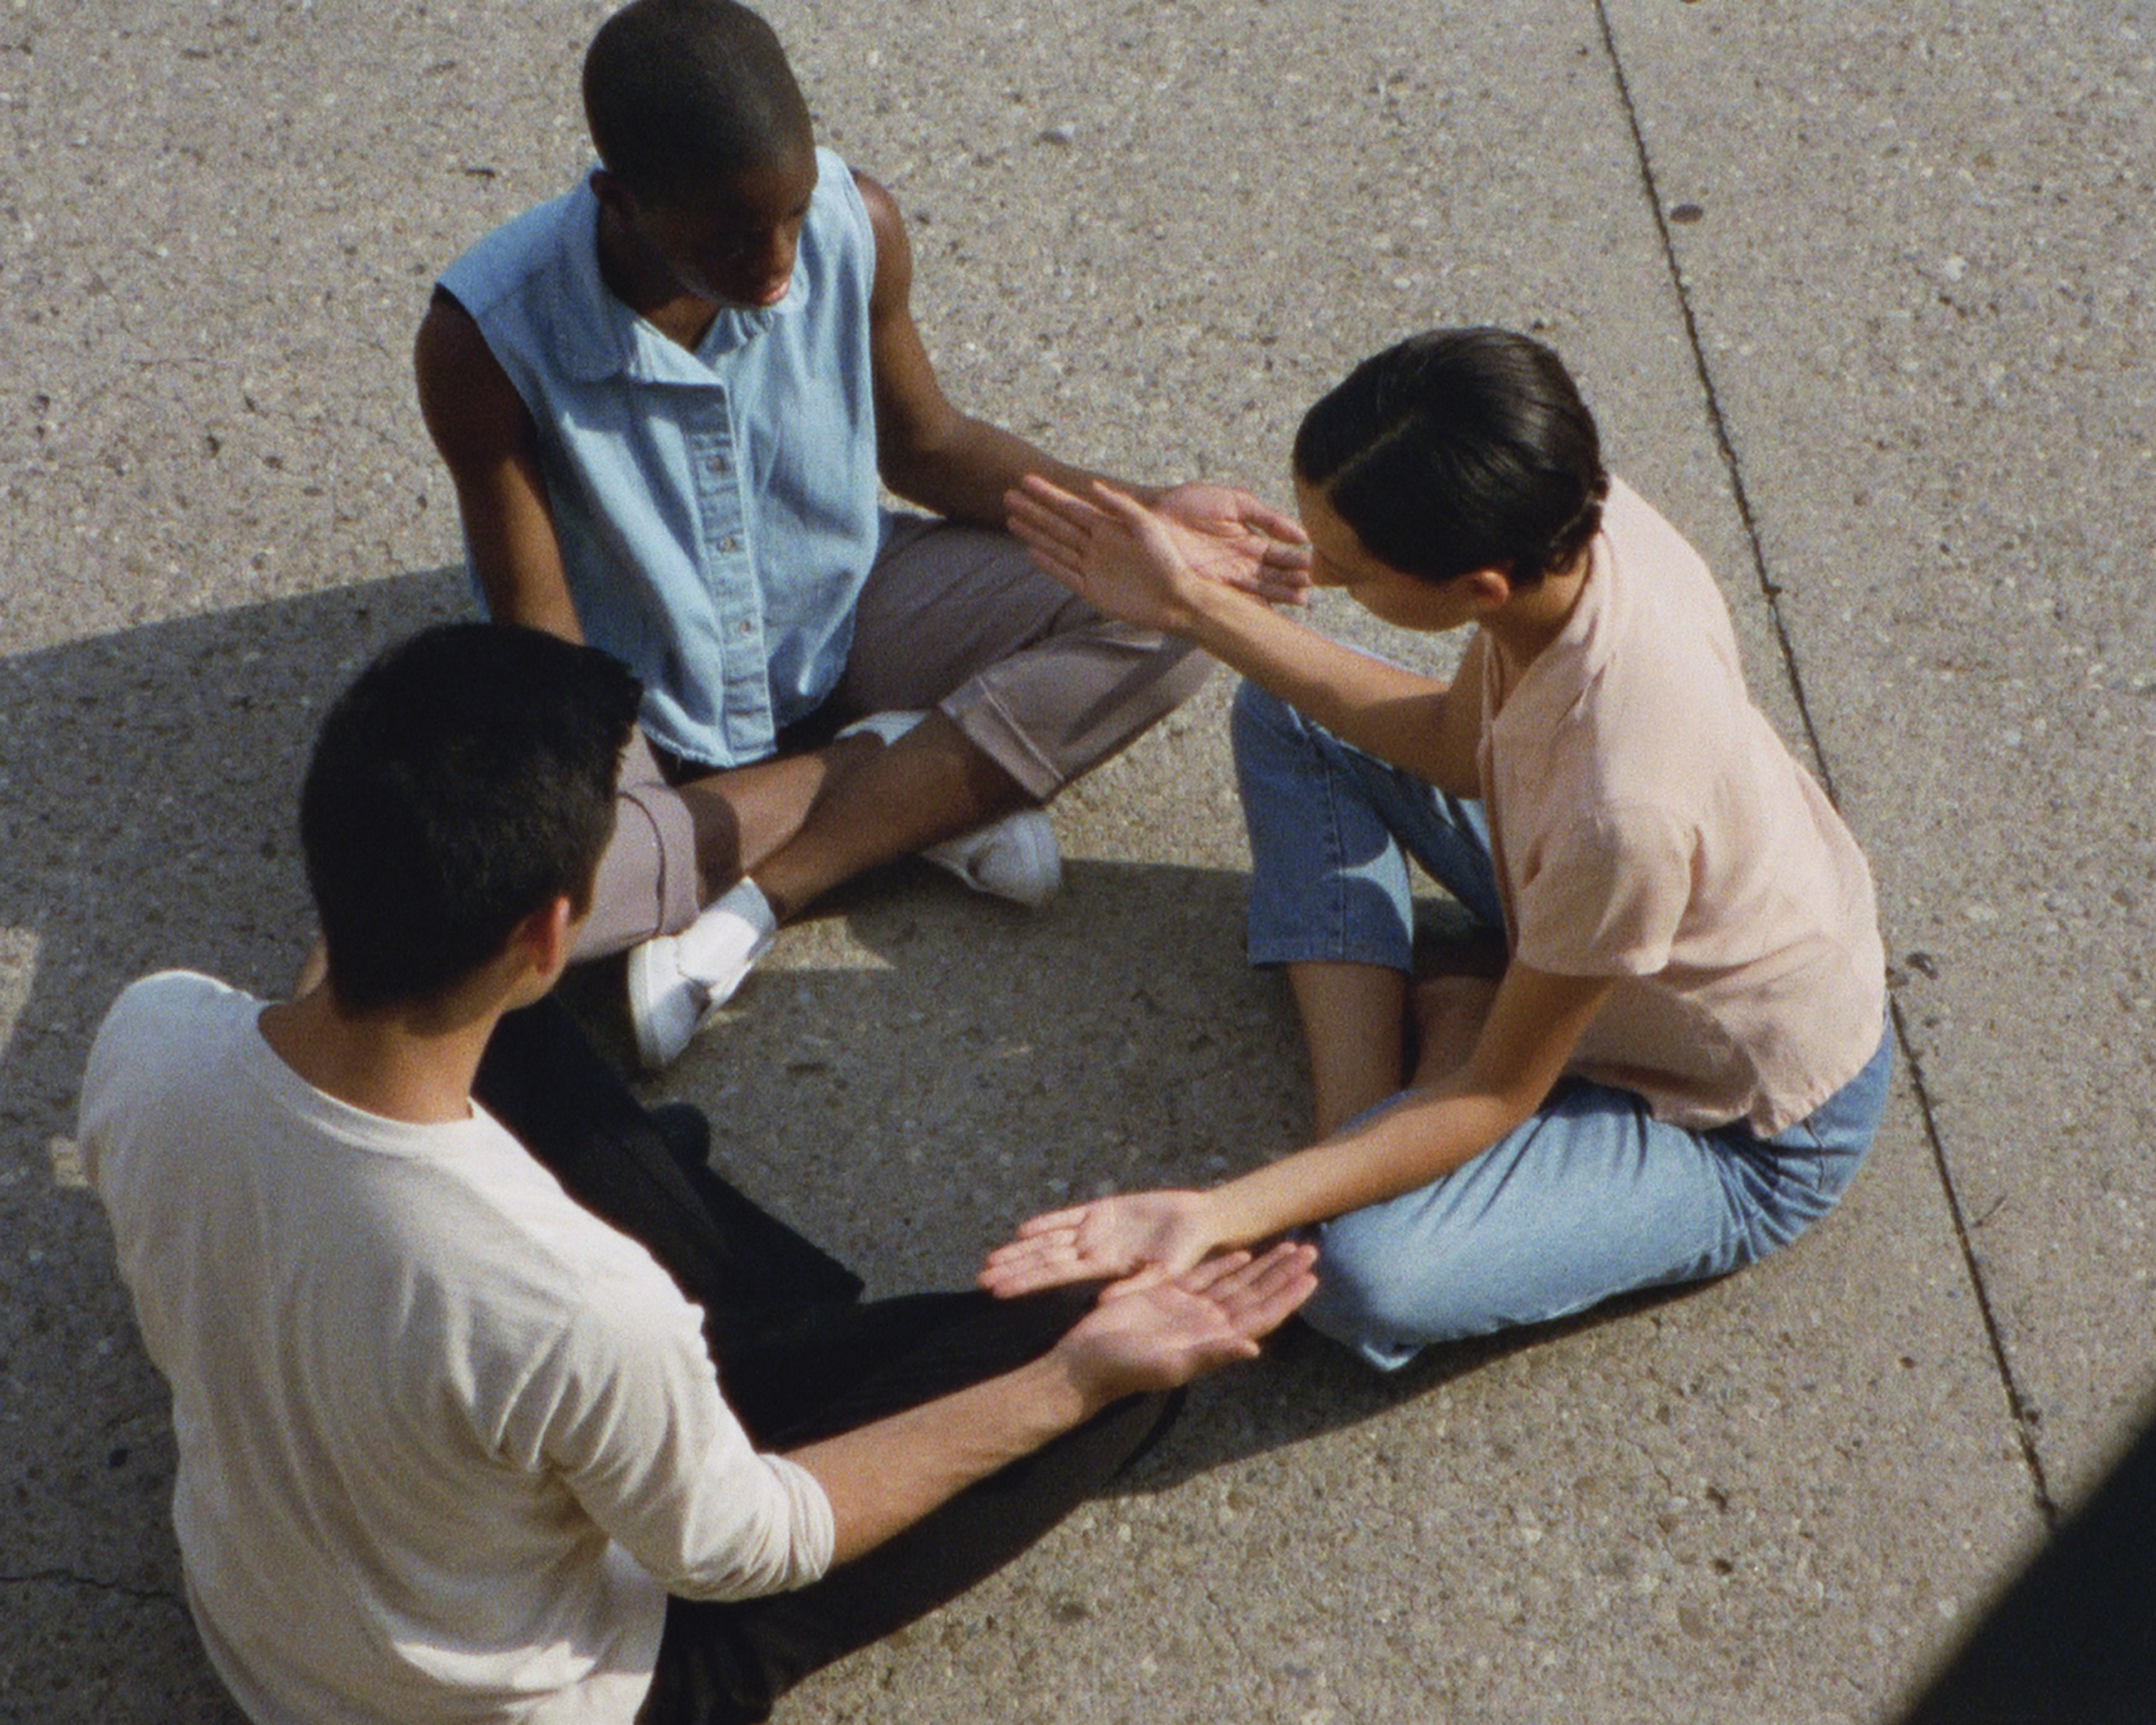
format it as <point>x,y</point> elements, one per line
<point>717,510</point>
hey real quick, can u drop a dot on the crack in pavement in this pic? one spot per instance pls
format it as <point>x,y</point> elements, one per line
<point>2019,1408</point>
<point>67,1578</point>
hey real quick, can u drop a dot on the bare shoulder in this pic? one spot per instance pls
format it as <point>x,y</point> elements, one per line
<point>470,407</point>
<point>894,248</point>
<point>449,339</point>
<point>883,208</point>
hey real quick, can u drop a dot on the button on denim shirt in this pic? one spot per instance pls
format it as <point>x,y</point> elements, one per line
<point>717,510</point>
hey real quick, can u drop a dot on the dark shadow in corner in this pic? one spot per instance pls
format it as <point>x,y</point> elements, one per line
<point>2071,1640</point>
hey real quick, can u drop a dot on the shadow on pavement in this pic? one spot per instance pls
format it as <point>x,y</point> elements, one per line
<point>147,780</point>
<point>1307,1385</point>
<point>917,1070</point>
<point>2071,1640</point>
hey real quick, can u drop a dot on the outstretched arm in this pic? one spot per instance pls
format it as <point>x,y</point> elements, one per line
<point>886,1475</point>
<point>932,454</point>
<point>1137,564</point>
<point>1534,1024</point>
<point>487,440</point>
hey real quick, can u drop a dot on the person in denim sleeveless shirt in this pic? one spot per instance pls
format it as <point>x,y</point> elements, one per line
<point>666,399</point>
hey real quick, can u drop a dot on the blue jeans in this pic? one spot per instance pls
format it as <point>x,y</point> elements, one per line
<point>1591,1197</point>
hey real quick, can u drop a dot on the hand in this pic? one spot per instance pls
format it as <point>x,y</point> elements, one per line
<point>1167,1334</point>
<point>1125,560</point>
<point>1143,1237</point>
<point>1229,537</point>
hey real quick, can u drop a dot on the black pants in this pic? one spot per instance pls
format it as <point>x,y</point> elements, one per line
<point>800,1357</point>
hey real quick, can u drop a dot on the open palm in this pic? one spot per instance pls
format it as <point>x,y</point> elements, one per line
<point>1138,1238</point>
<point>1173,1331</point>
<point>1226,534</point>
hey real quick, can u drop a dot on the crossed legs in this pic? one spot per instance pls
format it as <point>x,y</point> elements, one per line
<point>1031,688</point>
<point>800,1358</point>
<point>1593,1195</point>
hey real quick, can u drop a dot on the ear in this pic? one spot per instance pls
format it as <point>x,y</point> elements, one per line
<point>543,939</point>
<point>1490,588</point>
<point>613,194</point>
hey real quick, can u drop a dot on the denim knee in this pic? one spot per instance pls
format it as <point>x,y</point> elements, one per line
<point>1378,1295</point>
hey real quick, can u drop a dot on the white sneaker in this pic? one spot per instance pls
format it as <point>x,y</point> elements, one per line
<point>1016,858</point>
<point>678,982</point>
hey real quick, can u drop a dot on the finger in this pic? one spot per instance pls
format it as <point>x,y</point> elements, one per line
<point>1231,1293</point>
<point>1052,502</point>
<point>1152,1276</point>
<point>1215,1270</point>
<point>1039,486</point>
<point>1031,1275</point>
<point>1256,1280</point>
<point>1121,505</point>
<point>1042,1269</point>
<point>1279,1305</point>
<point>1288,1258</point>
<point>1260,1309</point>
<point>1271,522</point>
<point>1050,1220</point>
<point>1068,539</point>
<point>1007,1284</point>
<point>1289,1262</point>
<point>1043,526</point>
<point>1294,558</point>
<point>1062,1243</point>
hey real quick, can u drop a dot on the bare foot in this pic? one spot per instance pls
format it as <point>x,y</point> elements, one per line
<point>1450,1012</point>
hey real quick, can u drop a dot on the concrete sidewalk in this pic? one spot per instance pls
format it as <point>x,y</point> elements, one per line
<point>1858,296</point>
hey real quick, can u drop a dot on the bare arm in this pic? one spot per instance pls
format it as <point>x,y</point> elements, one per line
<point>1134,564</point>
<point>1534,1024</point>
<point>932,454</point>
<point>487,440</point>
<point>887,1476</point>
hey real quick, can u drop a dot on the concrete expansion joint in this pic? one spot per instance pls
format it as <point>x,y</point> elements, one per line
<point>67,1578</point>
<point>1770,591</point>
<point>2020,1407</point>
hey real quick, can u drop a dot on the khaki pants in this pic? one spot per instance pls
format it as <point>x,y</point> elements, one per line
<point>954,617</point>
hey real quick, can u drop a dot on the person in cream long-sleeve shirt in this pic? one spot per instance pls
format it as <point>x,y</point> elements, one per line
<point>445,1313</point>
<point>443,1431</point>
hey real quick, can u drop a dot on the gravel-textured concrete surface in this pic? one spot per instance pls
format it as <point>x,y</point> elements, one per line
<point>1859,296</point>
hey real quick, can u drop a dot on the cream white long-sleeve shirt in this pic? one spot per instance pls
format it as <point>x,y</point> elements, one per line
<point>445,1439</point>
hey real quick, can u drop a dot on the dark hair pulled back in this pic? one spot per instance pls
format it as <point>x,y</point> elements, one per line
<point>1459,450</point>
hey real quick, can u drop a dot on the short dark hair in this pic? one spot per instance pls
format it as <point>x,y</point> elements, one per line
<point>465,780</point>
<point>682,95</point>
<point>1459,450</point>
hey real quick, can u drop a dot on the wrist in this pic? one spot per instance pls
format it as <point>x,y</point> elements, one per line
<point>1073,1383</point>
<point>1236,1214</point>
<point>1204,611</point>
